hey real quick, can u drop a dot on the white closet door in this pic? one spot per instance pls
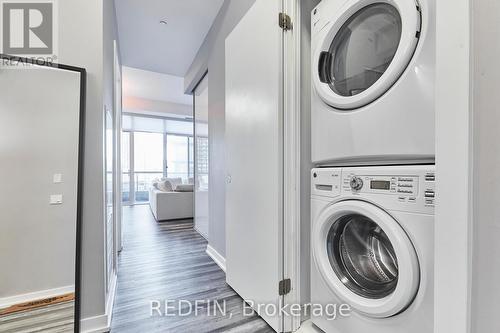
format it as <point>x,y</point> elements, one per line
<point>254,157</point>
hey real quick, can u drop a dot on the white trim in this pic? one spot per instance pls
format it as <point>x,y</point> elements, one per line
<point>292,159</point>
<point>102,323</point>
<point>97,324</point>
<point>195,227</point>
<point>111,298</point>
<point>117,100</point>
<point>308,327</point>
<point>6,302</point>
<point>454,160</point>
<point>217,257</point>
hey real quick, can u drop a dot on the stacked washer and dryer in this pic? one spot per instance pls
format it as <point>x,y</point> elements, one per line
<point>373,190</point>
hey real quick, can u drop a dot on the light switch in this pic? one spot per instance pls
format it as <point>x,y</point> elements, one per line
<point>56,199</point>
<point>57,178</point>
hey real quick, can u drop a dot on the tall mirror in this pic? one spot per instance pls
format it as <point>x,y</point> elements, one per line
<point>41,126</point>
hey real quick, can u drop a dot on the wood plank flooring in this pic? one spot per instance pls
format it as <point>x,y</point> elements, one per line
<point>167,261</point>
<point>53,318</point>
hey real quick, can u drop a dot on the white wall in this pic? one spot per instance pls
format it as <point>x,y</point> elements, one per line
<point>132,104</point>
<point>211,56</point>
<point>486,128</point>
<point>81,44</point>
<point>157,94</point>
<point>39,139</point>
<point>154,86</point>
<point>86,31</point>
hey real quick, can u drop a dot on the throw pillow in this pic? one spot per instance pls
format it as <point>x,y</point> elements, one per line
<point>184,188</point>
<point>165,186</point>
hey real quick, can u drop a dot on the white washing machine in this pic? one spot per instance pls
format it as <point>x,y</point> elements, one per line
<point>373,65</point>
<point>372,244</point>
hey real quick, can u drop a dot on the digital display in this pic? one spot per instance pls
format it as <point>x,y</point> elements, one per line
<point>380,185</point>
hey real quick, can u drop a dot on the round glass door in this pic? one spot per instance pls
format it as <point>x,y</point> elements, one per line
<point>362,50</point>
<point>362,256</point>
<point>365,258</point>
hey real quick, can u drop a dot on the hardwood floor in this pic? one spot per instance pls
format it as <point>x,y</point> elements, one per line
<point>167,262</point>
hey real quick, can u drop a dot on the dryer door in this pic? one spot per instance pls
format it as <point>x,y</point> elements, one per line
<point>366,258</point>
<point>364,50</point>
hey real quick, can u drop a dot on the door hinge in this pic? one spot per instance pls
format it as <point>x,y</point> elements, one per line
<point>285,22</point>
<point>285,286</point>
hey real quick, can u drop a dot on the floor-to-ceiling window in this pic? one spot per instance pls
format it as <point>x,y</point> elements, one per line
<point>126,169</point>
<point>178,156</point>
<point>148,162</point>
<point>154,147</point>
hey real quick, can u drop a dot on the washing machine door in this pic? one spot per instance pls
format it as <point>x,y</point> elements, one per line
<point>364,49</point>
<point>366,258</point>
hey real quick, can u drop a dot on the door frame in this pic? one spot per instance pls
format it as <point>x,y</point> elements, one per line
<point>117,97</point>
<point>292,159</point>
<point>455,214</point>
<point>195,156</point>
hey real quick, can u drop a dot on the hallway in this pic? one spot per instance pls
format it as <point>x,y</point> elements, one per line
<point>167,261</point>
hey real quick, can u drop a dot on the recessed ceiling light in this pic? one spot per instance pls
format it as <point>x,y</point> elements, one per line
<point>163,22</point>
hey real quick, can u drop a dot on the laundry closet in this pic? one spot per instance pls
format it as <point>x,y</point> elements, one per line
<point>373,188</point>
<point>360,141</point>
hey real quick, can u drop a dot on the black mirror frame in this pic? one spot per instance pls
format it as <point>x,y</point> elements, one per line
<point>81,152</point>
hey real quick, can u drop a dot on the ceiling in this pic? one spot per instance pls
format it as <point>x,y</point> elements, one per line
<point>165,48</point>
<point>154,86</point>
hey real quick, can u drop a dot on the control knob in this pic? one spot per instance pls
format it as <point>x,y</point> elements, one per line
<point>356,183</point>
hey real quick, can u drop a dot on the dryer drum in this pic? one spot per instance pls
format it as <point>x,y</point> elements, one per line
<point>362,50</point>
<point>362,256</point>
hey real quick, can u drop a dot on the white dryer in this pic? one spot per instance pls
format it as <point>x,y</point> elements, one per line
<point>372,244</point>
<point>373,65</point>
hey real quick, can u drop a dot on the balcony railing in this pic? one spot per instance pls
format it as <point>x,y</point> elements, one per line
<point>141,183</point>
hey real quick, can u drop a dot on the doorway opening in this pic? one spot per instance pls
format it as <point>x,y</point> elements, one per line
<point>164,175</point>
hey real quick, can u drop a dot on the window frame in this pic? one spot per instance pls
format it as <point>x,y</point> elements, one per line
<point>132,172</point>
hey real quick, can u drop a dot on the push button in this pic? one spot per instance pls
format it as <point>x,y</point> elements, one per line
<point>430,177</point>
<point>430,194</point>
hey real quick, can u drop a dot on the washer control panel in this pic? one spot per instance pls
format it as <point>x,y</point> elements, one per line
<point>400,185</point>
<point>406,188</point>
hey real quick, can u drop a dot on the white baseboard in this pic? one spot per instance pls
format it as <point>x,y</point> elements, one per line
<point>308,327</point>
<point>102,323</point>
<point>217,257</point>
<point>110,302</point>
<point>5,302</point>
<point>195,227</point>
<point>97,324</point>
